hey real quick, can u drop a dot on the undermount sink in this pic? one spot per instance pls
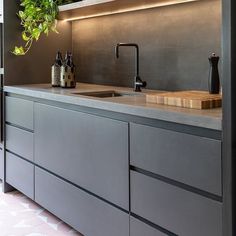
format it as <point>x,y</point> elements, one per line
<point>105,94</point>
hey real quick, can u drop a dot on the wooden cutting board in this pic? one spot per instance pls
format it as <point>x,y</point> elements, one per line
<point>187,99</point>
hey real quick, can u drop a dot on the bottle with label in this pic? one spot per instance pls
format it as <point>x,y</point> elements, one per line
<point>68,72</point>
<point>56,71</point>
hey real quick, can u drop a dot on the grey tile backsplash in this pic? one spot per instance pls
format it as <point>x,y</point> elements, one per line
<point>175,42</point>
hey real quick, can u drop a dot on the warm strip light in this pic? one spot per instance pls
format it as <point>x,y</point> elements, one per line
<point>147,6</point>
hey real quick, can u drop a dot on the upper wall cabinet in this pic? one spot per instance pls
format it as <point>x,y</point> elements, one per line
<point>92,8</point>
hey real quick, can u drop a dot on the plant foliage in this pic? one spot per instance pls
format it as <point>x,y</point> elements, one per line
<point>37,17</point>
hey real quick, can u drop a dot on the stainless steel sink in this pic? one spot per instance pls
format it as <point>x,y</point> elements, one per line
<point>105,94</point>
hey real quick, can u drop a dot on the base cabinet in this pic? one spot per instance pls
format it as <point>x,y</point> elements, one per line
<point>86,213</point>
<point>113,177</point>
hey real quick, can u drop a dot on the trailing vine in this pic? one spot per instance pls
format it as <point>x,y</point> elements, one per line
<point>37,17</point>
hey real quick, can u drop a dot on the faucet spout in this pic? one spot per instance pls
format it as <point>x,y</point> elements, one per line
<point>138,83</point>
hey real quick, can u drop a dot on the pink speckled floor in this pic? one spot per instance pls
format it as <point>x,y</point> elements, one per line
<point>20,216</point>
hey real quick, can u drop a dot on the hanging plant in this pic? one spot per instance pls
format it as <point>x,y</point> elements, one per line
<point>37,17</point>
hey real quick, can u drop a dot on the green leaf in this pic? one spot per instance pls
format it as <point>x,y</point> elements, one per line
<point>19,51</point>
<point>36,33</point>
<point>24,36</point>
<point>37,17</point>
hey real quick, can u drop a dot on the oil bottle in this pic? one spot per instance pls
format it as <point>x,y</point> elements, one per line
<point>56,71</point>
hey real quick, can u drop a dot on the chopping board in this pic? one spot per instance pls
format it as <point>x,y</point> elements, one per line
<point>187,99</point>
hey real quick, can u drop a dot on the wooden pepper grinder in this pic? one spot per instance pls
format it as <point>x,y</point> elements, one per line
<point>214,78</point>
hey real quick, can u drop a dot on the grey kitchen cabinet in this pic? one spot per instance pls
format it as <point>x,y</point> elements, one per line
<point>19,112</point>
<point>76,165</point>
<point>86,213</point>
<point>87,150</point>
<point>190,159</point>
<point>139,228</point>
<point>20,174</point>
<point>177,210</point>
<point>20,142</point>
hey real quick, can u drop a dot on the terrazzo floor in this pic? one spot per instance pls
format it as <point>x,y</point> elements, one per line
<point>20,216</point>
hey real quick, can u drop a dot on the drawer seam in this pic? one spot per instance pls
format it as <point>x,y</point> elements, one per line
<point>181,185</point>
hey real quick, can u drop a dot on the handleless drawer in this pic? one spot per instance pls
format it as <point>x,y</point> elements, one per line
<point>192,160</point>
<point>179,211</point>
<point>20,174</point>
<point>84,212</point>
<point>19,142</point>
<point>19,112</point>
<point>138,228</point>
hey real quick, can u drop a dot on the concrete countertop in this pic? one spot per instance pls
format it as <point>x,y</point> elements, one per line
<point>133,105</point>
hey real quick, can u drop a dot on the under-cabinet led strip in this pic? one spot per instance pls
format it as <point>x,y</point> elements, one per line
<point>143,7</point>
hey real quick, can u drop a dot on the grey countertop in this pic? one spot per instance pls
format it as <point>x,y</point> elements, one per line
<point>133,105</point>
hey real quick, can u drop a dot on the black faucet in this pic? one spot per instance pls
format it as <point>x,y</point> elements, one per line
<point>138,83</point>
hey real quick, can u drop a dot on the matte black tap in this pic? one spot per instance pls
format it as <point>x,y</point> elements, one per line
<point>138,83</point>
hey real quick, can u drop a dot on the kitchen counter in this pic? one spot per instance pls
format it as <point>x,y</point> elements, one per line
<point>78,148</point>
<point>132,105</point>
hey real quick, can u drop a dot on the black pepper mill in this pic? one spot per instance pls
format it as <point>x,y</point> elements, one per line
<point>214,78</point>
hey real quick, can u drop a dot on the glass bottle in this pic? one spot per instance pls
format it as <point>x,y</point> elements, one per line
<point>68,72</point>
<point>56,71</point>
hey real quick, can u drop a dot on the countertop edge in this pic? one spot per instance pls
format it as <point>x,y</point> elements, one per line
<point>146,112</point>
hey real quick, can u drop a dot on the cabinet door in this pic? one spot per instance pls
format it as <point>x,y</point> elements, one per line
<point>88,150</point>
<point>86,213</point>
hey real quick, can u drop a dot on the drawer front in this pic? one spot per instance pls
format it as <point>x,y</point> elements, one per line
<point>88,150</point>
<point>85,213</point>
<point>20,142</point>
<point>138,228</point>
<point>19,112</point>
<point>20,174</point>
<point>189,159</point>
<point>179,211</point>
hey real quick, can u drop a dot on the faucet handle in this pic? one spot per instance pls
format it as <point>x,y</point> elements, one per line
<point>139,84</point>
